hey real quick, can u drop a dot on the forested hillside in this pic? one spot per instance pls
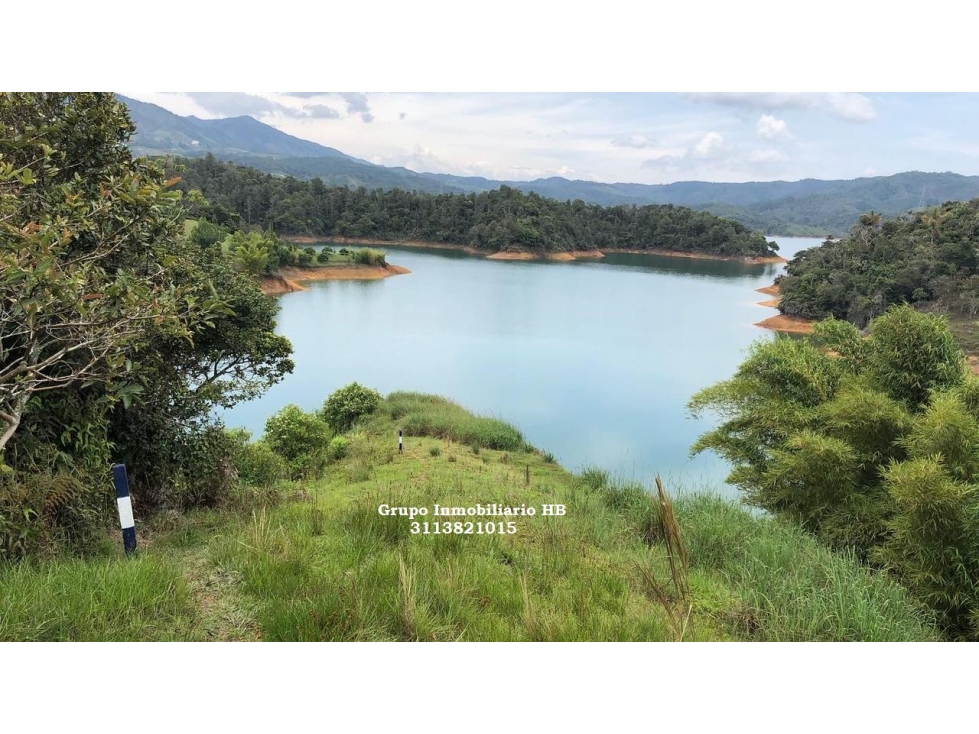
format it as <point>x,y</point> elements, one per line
<point>499,220</point>
<point>927,259</point>
<point>809,207</point>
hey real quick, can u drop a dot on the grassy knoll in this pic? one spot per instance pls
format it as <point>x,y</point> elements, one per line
<point>321,563</point>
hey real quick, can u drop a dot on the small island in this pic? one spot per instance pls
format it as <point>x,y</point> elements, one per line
<point>281,267</point>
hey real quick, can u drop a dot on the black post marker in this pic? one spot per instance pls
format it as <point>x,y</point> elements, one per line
<point>125,503</point>
<point>401,447</point>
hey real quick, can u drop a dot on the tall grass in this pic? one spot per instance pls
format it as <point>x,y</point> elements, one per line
<point>787,586</point>
<point>673,595</point>
<point>144,598</point>
<point>323,564</point>
<point>430,415</point>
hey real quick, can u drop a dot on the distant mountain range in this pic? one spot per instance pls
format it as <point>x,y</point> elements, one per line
<point>807,207</point>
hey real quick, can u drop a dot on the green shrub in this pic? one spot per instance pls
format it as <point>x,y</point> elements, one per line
<point>344,251</point>
<point>594,478</point>
<point>41,513</point>
<point>305,257</point>
<point>338,448</point>
<point>871,450</point>
<point>348,404</point>
<point>434,451</point>
<point>206,476</point>
<point>257,464</point>
<point>548,457</point>
<point>369,256</point>
<point>323,256</point>
<point>297,436</point>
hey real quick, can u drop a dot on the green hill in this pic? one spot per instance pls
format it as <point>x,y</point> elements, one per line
<point>316,560</point>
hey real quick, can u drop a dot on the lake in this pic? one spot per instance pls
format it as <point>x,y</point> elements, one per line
<point>593,360</point>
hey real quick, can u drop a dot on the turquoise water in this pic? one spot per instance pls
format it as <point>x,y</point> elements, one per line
<point>594,360</point>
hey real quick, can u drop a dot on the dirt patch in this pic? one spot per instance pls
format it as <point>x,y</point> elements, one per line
<point>276,285</point>
<point>511,256</point>
<point>343,272</point>
<point>559,256</point>
<point>768,290</point>
<point>769,304</point>
<point>787,324</point>
<point>701,256</point>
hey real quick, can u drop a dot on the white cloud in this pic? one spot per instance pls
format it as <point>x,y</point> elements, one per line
<point>853,107</point>
<point>633,141</point>
<point>767,155</point>
<point>755,100</point>
<point>663,155</point>
<point>357,105</point>
<point>848,106</point>
<point>233,104</point>
<point>772,128</point>
<point>709,145</point>
<point>321,112</point>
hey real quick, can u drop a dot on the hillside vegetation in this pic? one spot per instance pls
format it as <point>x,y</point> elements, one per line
<point>503,219</point>
<point>314,560</point>
<point>927,259</point>
<point>870,445</point>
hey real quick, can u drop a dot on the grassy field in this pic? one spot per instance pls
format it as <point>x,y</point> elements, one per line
<point>321,563</point>
<point>966,333</point>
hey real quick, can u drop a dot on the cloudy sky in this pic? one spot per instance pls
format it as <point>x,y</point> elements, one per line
<point>644,138</point>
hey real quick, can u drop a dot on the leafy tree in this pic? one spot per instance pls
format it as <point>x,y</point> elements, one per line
<point>207,233</point>
<point>298,437</point>
<point>348,404</point>
<point>79,278</point>
<point>869,444</point>
<point>913,355</point>
<point>119,336</point>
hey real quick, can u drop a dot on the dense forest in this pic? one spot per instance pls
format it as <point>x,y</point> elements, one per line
<point>501,220</point>
<point>118,336</point>
<point>927,259</point>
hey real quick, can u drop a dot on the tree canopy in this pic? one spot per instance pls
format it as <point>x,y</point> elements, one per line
<point>869,444</point>
<point>117,335</point>
<point>502,219</point>
<point>927,258</point>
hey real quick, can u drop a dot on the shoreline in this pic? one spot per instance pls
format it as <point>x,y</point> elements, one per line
<point>780,322</point>
<point>289,279</point>
<point>523,255</point>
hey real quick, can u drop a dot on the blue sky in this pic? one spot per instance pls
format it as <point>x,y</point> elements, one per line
<point>627,137</point>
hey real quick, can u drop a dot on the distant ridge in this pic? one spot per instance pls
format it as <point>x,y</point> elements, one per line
<point>160,132</point>
<point>811,207</point>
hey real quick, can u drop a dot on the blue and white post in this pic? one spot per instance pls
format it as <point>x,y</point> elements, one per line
<point>401,445</point>
<point>125,503</point>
